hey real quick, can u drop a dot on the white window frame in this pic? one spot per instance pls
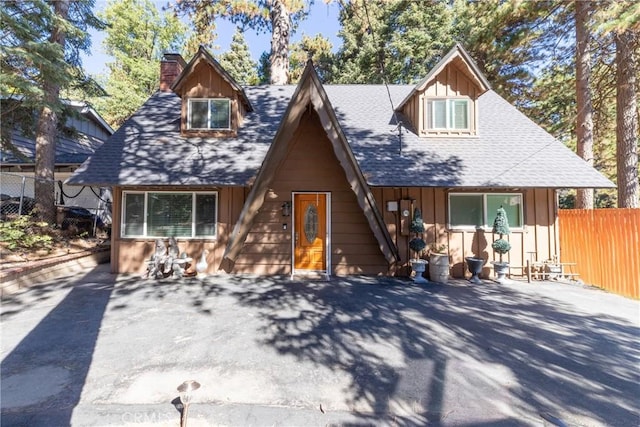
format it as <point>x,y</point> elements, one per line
<point>487,217</point>
<point>449,118</point>
<point>189,107</point>
<point>146,212</point>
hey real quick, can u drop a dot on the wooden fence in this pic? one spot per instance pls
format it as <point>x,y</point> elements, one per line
<point>605,244</point>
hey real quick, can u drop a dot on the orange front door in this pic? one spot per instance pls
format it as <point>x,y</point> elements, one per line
<point>310,231</point>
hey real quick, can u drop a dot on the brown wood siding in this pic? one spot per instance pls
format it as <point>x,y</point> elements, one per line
<point>205,82</point>
<point>452,81</point>
<point>129,255</point>
<point>311,166</point>
<point>538,238</point>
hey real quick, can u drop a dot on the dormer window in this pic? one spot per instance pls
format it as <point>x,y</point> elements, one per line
<point>209,114</point>
<point>447,114</point>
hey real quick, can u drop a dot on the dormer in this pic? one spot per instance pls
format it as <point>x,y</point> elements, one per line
<point>445,102</point>
<point>213,104</point>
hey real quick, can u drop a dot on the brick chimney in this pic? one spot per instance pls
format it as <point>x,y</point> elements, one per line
<point>170,68</point>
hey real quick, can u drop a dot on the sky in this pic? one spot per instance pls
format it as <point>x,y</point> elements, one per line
<point>323,18</point>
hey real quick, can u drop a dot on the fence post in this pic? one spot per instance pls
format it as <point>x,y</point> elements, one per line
<point>24,179</point>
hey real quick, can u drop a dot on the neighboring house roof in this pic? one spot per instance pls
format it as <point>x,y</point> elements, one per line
<point>509,151</point>
<point>69,151</point>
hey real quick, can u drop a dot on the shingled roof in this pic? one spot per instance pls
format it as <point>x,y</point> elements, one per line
<point>509,151</point>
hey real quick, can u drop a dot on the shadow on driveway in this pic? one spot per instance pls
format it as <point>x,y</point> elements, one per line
<point>43,376</point>
<point>381,349</point>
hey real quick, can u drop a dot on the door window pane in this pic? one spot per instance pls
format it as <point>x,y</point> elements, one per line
<point>311,223</point>
<point>465,210</point>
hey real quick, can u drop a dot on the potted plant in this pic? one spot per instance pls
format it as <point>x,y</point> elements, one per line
<point>417,245</point>
<point>438,262</point>
<point>501,246</point>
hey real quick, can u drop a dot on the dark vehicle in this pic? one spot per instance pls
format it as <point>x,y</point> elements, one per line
<point>10,206</point>
<point>80,218</point>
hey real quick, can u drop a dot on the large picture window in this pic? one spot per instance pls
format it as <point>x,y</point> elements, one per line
<point>479,209</point>
<point>166,214</point>
<point>447,114</point>
<point>209,114</point>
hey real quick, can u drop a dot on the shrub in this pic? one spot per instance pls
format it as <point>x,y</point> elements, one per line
<point>23,233</point>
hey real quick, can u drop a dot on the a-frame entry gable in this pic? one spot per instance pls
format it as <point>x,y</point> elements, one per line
<point>309,92</point>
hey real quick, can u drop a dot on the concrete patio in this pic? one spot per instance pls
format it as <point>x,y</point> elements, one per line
<point>100,349</point>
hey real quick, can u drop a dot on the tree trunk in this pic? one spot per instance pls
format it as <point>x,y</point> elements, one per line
<point>627,121</point>
<point>584,120</point>
<point>44,186</point>
<point>281,31</point>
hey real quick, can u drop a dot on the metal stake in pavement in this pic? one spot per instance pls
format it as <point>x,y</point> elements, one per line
<point>186,389</point>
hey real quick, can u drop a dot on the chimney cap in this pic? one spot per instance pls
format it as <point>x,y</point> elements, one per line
<point>175,57</point>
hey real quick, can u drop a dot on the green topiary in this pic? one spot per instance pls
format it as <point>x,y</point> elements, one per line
<point>417,225</point>
<point>501,227</point>
<point>501,223</point>
<point>501,246</point>
<point>417,245</point>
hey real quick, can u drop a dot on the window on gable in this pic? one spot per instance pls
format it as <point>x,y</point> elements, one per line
<point>212,114</point>
<point>448,114</point>
<point>166,214</point>
<point>479,209</point>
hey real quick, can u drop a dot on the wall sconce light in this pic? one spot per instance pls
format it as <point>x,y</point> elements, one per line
<point>186,390</point>
<point>286,209</point>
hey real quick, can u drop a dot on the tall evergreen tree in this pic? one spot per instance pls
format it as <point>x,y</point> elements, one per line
<point>137,37</point>
<point>404,38</point>
<point>627,119</point>
<point>280,17</point>
<point>237,61</point>
<point>318,49</point>
<point>41,43</point>
<point>584,125</point>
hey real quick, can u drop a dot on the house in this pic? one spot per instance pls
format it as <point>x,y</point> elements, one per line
<point>81,135</point>
<point>324,178</point>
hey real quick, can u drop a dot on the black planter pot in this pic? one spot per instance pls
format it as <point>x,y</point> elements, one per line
<point>475,268</point>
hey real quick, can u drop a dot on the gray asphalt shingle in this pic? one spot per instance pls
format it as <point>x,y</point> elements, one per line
<point>509,150</point>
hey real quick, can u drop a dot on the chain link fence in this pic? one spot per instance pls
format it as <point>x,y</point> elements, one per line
<point>79,209</point>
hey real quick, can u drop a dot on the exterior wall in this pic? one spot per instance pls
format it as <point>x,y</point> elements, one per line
<point>452,81</point>
<point>537,238</point>
<point>204,82</point>
<point>128,255</point>
<point>311,165</point>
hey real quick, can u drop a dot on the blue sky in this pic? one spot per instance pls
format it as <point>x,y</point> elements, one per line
<point>323,18</point>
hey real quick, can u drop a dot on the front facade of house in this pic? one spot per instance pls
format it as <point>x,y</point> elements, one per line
<point>325,179</point>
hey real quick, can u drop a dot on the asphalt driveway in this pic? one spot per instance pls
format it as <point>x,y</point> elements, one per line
<point>104,349</point>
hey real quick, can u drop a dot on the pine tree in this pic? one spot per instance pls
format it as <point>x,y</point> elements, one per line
<point>137,37</point>
<point>277,16</point>
<point>318,49</point>
<point>237,61</point>
<point>41,42</point>
<point>396,41</point>
<point>584,125</point>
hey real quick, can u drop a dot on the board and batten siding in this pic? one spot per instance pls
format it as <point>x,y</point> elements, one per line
<point>451,82</point>
<point>204,82</point>
<point>310,165</point>
<point>536,240</point>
